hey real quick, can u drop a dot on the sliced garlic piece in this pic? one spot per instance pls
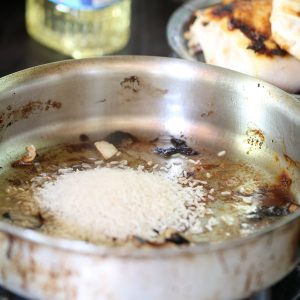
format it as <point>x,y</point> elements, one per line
<point>106,149</point>
<point>30,155</point>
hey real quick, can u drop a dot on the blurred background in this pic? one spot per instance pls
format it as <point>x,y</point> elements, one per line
<point>19,51</point>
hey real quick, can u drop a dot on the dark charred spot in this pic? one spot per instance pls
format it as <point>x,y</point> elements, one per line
<point>178,142</point>
<point>155,230</point>
<point>273,211</point>
<point>84,137</point>
<point>166,152</point>
<point>279,52</point>
<point>251,33</point>
<point>276,200</point>
<point>285,180</point>
<point>54,104</point>
<point>205,23</point>
<point>77,168</point>
<point>258,47</point>
<point>257,39</point>
<point>175,238</point>
<point>180,146</point>
<point>118,138</point>
<point>178,239</point>
<point>6,215</point>
<point>132,83</point>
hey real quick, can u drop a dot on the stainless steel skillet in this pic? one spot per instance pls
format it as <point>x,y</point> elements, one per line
<point>146,96</point>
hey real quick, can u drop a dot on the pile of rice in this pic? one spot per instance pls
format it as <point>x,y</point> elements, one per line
<point>119,203</point>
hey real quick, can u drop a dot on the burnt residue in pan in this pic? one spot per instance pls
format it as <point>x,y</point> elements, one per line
<point>174,238</point>
<point>179,146</point>
<point>277,194</point>
<point>84,138</point>
<point>291,162</point>
<point>14,114</point>
<point>267,211</point>
<point>177,239</point>
<point>276,200</point>
<point>255,137</point>
<point>274,211</point>
<point>284,180</point>
<point>272,199</point>
<point>131,83</point>
<point>120,138</point>
<point>6,215</point>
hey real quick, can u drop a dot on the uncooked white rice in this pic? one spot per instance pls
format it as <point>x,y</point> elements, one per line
<point>120,203</point>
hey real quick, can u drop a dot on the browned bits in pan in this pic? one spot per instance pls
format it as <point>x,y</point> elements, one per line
<point>179,146</point>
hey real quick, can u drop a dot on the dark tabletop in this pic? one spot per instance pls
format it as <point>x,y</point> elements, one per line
<point>149,18</point>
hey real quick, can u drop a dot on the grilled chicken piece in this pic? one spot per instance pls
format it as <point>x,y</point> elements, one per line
<point>237,36</point>
<point>285,20</point>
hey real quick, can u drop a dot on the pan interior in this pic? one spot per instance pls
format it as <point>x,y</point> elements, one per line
<point>239,198</point>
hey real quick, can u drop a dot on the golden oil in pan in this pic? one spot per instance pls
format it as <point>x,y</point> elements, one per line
<point>242,197</point>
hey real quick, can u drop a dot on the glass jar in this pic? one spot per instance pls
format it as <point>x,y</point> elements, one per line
<point>80,28</point>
